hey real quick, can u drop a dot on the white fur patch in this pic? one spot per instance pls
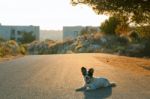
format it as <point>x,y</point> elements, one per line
<point>98,83</point>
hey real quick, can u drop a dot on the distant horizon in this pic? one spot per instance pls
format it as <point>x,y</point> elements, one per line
<point>41,28</point>
<point>48,14</point>
<point>46,28</point>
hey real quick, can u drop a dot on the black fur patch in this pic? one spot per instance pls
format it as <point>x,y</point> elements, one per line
<point>84,71</point>
<point>90,72</point>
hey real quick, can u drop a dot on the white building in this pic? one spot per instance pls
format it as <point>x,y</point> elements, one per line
<point>71,32</point>
<point>15,32</point>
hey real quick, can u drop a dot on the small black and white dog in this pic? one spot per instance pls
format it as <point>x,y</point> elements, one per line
<point>91,82</point>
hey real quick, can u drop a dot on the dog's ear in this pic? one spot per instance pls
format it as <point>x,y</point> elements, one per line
<point>83,70</point>
<point>90,72</point>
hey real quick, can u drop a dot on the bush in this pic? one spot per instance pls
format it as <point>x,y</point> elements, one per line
<point>146,51</point>
<point>134,35</point>
<point>22,50</point>
<point>122,40</point>
<point>4,50</point>
<point>2,39</point>
<point>11,48</point>
<point>97,36</point>
<point>1,52</point>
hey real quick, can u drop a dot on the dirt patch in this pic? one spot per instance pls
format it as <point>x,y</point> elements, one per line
<point>146,67</point>
<point>139,66</point>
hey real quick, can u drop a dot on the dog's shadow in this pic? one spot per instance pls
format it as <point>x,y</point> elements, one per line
<point>101,93</point>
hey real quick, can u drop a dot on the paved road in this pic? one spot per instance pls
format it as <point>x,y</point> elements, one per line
<point>57,77</point>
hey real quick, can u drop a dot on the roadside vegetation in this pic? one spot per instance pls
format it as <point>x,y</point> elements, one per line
<point>15,48</point>
<point>132,43</point>
<point>114,36</point>
<point>129,22</point>
<point>11,48</point>
<point>126,32</point>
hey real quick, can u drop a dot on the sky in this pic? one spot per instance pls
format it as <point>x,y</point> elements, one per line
<point>48,14</point>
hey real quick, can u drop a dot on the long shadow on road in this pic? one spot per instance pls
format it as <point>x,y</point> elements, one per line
<point>96,94</point>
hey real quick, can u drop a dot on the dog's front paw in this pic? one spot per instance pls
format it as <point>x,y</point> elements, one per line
<point>81,89</point>
<point>88,88</point>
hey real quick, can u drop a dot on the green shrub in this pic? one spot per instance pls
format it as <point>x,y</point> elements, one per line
<point>122,40</point>
<point>2,39</point>
<point>22,50</point>
<point>146,51</point>
<point>11,48</point>
<point>1,52</point>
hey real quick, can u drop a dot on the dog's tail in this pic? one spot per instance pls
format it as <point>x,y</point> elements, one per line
<point>112,84</point>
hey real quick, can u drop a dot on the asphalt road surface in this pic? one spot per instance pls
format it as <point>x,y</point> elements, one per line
<point>58,76</point>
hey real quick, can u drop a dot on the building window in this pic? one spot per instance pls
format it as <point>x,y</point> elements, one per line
<point>13,32</point>
<point>12,35</point>
<point>19,32</point>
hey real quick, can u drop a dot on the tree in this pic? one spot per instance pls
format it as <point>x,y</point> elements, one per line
<point>144,32</point>
<point>123,26</point>
<point>138,11</point>
<point>27,37</point>
<point>110,25</point>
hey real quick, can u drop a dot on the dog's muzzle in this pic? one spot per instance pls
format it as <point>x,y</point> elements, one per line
<point>87,80</point>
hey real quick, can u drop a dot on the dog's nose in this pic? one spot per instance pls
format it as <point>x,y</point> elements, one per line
<point>87,78</point>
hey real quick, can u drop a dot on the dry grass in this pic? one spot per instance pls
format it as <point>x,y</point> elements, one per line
<point>9,57</point>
